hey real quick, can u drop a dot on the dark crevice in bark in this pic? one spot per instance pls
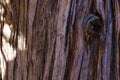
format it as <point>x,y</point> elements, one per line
<point>67,34</point>
<point>93,60</point>
<point>15,68</point>
<point>113,53</point>
<point>68,38</point>
<point>26,20</point>
<point>70,57</point>
<point>92,6</point>
<point>101,69</point>
<point>34,19</point>
<point>30,61</point>
<point>45,48</point>
<point>67,70</point>
<point>104,2</point>
<point>52,62</point>
<point>42,68</point>
<point>110,22</point>
<point>26,36</point>
<point>17,16</point>
<point>35,16</point>
<point>81,66</point>
<point>119,3</point>
<point>119,52</point>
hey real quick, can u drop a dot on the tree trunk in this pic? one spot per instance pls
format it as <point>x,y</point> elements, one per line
<point>59,39</point>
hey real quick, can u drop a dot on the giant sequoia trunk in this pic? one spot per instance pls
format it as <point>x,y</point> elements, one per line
<point>60,39</point>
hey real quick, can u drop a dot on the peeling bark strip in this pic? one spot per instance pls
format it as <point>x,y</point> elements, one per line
<point>59,40</point>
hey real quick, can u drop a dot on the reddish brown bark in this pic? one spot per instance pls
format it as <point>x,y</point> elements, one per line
<point>60,43</point>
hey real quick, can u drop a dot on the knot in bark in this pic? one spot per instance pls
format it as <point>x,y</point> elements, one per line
<point>92,26</point>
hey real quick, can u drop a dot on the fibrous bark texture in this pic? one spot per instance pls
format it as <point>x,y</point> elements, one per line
<point>59,39</point>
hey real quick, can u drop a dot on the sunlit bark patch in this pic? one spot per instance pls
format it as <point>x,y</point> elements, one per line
<point>1,12</point>
<point>6,31</point>
<point>8,50</point>
<point>2,65</point>
<point>7,1</point>
<point>21,42</point>
<point>7,37</point>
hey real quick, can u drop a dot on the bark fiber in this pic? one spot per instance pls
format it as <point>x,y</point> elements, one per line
<point>55,48</point>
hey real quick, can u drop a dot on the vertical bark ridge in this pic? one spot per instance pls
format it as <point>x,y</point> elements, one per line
<point>55,48</point>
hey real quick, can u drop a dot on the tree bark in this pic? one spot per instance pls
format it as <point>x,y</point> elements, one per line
<point>60,40</point>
